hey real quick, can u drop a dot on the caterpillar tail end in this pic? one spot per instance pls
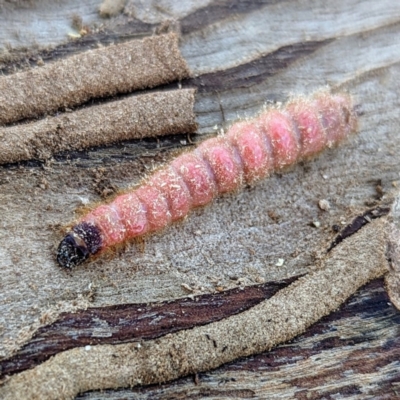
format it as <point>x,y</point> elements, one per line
<point>72,251</point>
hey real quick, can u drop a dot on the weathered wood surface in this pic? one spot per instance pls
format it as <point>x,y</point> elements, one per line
<point>127,322</point>
<point>245,54</point>
<point>352,354</point>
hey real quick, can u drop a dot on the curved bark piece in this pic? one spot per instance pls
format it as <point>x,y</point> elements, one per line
<point>353,353</point>
<point>359,259</point>
<point>132,322</point>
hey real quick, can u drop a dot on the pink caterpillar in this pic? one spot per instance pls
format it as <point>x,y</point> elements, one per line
<point>249,151</point>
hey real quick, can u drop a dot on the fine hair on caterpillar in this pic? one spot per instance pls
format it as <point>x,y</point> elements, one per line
<point>250,150</point>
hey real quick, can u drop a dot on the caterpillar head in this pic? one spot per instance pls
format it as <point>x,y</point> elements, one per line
<point>72,251</point>
<point>83,241</point>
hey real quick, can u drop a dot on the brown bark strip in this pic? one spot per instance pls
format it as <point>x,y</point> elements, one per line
<point>130,322</point>
<point>364,324</point>
<point>358,260</point>
<point>256,71</point>
<point>96,73</point>
<point>148,115</point>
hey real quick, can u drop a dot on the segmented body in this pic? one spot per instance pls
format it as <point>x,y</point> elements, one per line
<point>249,151</point>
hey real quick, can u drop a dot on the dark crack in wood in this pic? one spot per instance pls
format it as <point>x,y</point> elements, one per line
<point>220,10</point>
<point>358,223</point>
<point>255,71</point>
<point>133,322</point>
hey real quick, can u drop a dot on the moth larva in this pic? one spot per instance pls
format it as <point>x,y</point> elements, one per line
<point>249,151</point>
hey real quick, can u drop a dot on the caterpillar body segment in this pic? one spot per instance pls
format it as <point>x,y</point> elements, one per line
<point>249,151</point>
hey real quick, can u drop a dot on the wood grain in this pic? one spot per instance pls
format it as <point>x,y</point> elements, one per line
<point>351,354</point>
<point>244,56</point>
<point>288,313</point>
<point>134,322</point>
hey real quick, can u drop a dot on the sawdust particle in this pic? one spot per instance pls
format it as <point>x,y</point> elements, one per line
<point>111,8</point>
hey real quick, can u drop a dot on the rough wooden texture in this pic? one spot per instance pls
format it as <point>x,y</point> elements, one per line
<point>127,322</point>
<point>30,24</point>
<point>361,258</point>
<point>351,354</point>
<point>245,55</point>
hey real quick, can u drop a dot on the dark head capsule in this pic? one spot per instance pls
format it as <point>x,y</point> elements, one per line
<point>84,240</point>
<point>72,251</point>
